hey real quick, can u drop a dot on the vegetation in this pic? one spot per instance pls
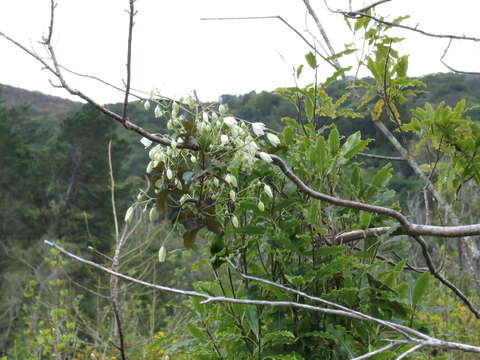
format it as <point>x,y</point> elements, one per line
<point>281,237</point>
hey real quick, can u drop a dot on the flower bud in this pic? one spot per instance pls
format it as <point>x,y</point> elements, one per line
<point>222,109</point>
<point>146,105</point>
<point>274,140</point>
<point>232,195</point>
<point>224,139</point>
<point>268,191</point>
<point>235,221</point>
<point>153,213</point>
<point>261,206</point>
<point>162,254</point>
<point>158,111</point>
<point>265,157</point>
<point>129,214</point>
<point>169,174</point>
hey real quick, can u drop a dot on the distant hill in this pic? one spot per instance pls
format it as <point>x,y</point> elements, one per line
<point>41,106</point>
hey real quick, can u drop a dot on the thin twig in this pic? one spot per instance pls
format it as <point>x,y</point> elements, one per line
<point>325,58</point>
<point>360,14</point>
<point>129,59</point>
<point>382,157</point>
<point>112,190</point>
<point>442,60</point>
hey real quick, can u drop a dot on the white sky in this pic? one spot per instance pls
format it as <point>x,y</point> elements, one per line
<point>176,52</point>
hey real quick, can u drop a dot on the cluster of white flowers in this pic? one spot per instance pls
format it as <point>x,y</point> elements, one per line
<point>227,138</point>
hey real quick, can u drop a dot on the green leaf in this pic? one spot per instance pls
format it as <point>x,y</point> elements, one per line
<point>311,60</point>
<point>334,141</point>
<point>353,146</point>
<point>299,70</point>
<point>420,288</point>
<point>196,332</point>
<point>252,318</point>
<point>365,219</point>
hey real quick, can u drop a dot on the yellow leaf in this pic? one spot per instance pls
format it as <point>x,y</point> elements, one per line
<point>377,111</point>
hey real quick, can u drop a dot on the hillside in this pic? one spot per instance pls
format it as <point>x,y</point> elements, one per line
<point>41,106</point>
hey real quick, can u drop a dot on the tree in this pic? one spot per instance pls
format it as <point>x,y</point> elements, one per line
<point>292,220</point>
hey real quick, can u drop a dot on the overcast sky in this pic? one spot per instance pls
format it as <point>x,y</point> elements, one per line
<point>176,52</point>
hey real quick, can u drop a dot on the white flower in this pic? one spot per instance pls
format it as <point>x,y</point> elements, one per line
<point>230,121</point>
<point>205,117</point>
<point>222,109</point>
<point>158,111</point>
<point>175,109</point>
<point>162,254</point>
<point>129,214</point>
<point>224,139</point>
<point>268,190</point>
<point>257,128</point>
<point>232,195</point>
<point>274,140</point>
<point>169,174</point>
<point>261,206</point>
<point>235,221</point>
<point>230,179</point>
<point>216,182</point>
<point>146,105</point>
<point>265,157</point>
<point>173,144</point>
<point>151,165</point>
<point>252,147</point>
<point>145,142</point>
<point>193,159</point>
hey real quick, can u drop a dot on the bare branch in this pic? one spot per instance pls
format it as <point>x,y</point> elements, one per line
<point>325,58</point>
<point>131,14</point>
<point>409,351</point>
<point>376,352</point>
<point>359,14</point>
<point>322,32</point>
<point>382,157</point>
<point>442,60</point>
<point>371,6</point>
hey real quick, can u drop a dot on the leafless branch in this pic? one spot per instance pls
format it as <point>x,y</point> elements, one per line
<point>322,32</point>
<point>115,261</point>
<point>371,6</point>
<point>131,15</point>
<point>382,157</point>
<point>376,352</point>
<point>409,351</point>
<point>442,60</point>
<point>412,336</point>
<point>310,45</point>
<point>359,14</point>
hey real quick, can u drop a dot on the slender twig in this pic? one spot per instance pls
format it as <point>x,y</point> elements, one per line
<point>131,14</point>
<point>299,34</point>
<point>409,351</point>
<point>112,189</point>
<point>442,60</point>
<point>323,33</point>
<point>382,157</point>
<point>376,352</point>
<point>360,14</point>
